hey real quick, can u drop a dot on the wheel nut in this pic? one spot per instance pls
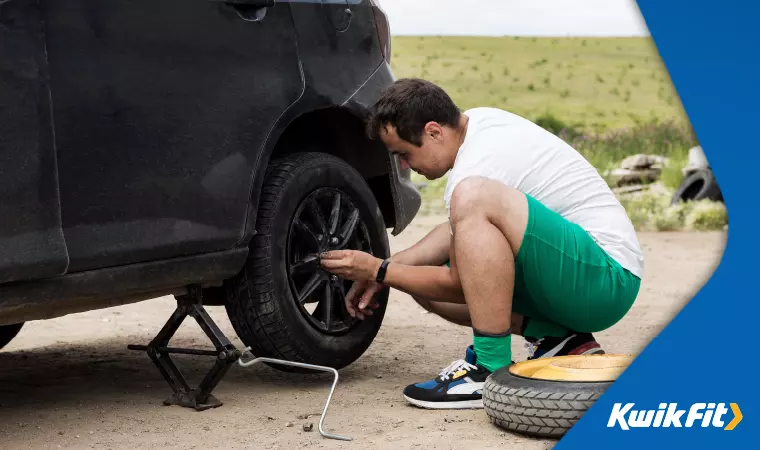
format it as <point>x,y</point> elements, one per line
<point>333,278</point>
<point>334,241</point>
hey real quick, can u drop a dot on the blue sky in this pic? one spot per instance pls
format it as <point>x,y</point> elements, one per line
<point>515,17</point>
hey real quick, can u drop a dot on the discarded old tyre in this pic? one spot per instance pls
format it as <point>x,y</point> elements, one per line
<point>546,397</point>
<point>283,305</point>
<point>698,186</point>
<point>8,332</point>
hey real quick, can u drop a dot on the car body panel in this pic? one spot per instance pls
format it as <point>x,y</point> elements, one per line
<point>31,239</point>
<point>160,109</point>
<point>161,146</point>
<point>406,197</point>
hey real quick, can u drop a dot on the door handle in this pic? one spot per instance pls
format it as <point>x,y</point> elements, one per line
<point>252,3</point>
<point>250,10</point>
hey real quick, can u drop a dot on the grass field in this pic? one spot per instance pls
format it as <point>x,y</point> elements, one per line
<point>595,83</point>
<point>608,97</point>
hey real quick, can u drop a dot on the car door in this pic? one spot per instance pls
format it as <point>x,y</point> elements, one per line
<point>161,108</point>
<point>31,240</point>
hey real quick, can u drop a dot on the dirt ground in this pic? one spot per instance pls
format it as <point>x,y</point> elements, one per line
<point>71,382</point>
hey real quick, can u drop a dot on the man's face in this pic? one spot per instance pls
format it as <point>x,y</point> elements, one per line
<point>427,160</point>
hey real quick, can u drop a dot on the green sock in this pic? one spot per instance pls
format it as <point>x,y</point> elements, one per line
<point>493,352</point>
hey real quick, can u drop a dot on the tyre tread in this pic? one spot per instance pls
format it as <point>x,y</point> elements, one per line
<point>535,412</point>
<point>252,303</point>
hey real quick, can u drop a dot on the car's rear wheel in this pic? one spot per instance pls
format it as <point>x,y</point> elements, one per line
<point>8,332</point>
<point>283,305</point>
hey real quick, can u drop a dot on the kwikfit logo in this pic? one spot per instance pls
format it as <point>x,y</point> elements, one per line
<point>669,415</point>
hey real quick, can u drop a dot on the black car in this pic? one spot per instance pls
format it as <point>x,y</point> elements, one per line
<point>164,147</point>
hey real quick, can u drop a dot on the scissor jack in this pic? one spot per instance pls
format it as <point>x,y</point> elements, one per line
<point>226,354</point>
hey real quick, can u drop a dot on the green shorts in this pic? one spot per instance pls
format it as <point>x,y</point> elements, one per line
<point>565,281</point>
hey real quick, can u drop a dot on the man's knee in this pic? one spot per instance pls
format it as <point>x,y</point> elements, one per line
<point>467,196</point>
<point>482,199</point>
<point>480,196</point>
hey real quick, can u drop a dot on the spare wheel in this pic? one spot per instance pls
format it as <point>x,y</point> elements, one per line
<point>545,397</point>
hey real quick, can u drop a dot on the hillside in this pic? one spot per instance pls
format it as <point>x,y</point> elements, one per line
<point>597,83</point>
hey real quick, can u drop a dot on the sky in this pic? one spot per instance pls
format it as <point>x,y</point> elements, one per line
<point>515,17</point>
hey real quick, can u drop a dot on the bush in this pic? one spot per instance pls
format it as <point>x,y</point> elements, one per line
<point>667,139</point>
<point>671,218</point>
<point>651,211</point>
<point>557,126</point>
<point>672,174</point>
<point>645,210</point>
<point>706,215</point>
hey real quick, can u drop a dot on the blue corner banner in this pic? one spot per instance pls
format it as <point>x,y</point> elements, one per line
<point>706,360</point>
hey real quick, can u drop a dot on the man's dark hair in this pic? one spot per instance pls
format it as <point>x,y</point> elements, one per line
<point>410,103</point>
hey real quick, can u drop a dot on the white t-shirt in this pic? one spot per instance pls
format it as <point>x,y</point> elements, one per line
<point>505,147</point>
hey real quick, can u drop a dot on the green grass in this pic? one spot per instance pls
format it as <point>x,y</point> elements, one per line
<point>609,98</point>
<point>601,83</point>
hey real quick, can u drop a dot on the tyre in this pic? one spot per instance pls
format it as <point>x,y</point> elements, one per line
<point>283,305</point>
<point>546,397</point>
<point>698,186</point>
<point>8,332</point>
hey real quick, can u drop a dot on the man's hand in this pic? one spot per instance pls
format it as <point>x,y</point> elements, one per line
<point>360,299</point>
<point>352,265</point>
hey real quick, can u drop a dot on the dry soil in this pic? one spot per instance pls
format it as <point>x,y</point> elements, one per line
<point>71,382</point>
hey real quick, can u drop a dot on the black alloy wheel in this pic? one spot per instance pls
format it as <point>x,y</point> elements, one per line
<point>326,220</point>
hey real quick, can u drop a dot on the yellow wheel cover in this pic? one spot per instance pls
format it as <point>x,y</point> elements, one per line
<point>598,368</point>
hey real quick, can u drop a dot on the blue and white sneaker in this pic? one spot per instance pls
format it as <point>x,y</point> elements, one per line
<point>459,386</point>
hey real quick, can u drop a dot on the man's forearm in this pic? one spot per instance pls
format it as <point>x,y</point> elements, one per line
<point>432,250</point>
<point>424,281</point>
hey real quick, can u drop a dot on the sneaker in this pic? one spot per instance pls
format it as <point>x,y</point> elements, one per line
<point>570,344</point>
<point>459,386</point>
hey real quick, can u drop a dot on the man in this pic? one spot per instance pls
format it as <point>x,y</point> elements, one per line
<point>536,243</point>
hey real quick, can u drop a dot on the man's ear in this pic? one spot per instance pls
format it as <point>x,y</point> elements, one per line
<point>434,130</point>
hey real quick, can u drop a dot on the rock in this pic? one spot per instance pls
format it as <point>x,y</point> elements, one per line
<point>289,424</point>
<point>303,416</point>
<point>308,427</point>
<point>378,376</point>
<point>623,177</point>
<point>629,189</point>
<point>442,428</point>
<point>642,161</point>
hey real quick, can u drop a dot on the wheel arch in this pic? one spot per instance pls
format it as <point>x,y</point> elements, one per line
<point>338,132</point>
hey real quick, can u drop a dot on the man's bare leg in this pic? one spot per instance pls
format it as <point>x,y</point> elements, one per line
<point>453,312</point>
<point>489,220</point>
<point>459,314</point>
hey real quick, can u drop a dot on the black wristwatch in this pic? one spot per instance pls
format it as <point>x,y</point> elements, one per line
<point>381,272</point>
